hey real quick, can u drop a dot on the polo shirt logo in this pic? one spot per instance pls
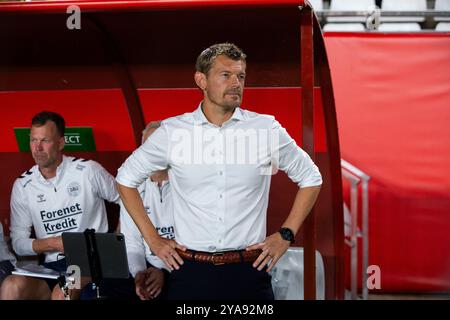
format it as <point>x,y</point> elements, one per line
<point>41,198</point>
<point>74,189</point>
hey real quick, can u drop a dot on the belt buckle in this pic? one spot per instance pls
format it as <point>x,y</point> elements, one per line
<point>217,254</point>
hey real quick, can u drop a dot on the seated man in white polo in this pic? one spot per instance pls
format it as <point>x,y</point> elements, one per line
<point>59,194</point>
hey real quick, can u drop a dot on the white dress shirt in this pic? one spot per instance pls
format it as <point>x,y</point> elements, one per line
<point>220,176</point>
<point>158,204</point>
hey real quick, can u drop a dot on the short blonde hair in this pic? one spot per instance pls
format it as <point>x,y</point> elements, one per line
<point>206,59</point>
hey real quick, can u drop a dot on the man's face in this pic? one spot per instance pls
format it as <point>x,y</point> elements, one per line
<point>224,83</point>
<point>45,144</point>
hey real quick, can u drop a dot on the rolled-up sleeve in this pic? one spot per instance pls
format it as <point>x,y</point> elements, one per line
<point>21,222</point>
<point>293,160</point>
<point>148,158</point>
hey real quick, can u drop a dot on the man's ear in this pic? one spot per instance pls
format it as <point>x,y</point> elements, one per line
<point>62,142</point>
<point>200,80</point>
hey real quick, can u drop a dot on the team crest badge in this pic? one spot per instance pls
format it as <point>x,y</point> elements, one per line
<point>74,189</point>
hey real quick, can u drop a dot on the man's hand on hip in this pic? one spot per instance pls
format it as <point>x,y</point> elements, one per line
<point>273,249</point>
<point>165,250</point>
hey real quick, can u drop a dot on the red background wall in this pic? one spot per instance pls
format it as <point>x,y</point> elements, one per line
<point>392,96</point>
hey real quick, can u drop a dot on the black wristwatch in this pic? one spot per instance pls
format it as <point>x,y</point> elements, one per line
<point>287,234</point>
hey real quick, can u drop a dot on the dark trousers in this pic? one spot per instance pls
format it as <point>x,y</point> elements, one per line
<point>206,281</point>
<point>58,265</point>
<point>6,267</point>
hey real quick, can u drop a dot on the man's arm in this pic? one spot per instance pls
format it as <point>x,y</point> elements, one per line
<point>152,156</point>
<point>163,248</point>
<point>48,244</point>
<point>275,246</point>
<point>21,224</point>
<point>303,203</point>
<point>301,169</point>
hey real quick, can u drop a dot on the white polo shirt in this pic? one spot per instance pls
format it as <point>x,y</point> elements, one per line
<point>220,176</point>
<point>159,206</point>
<point>72,201</point>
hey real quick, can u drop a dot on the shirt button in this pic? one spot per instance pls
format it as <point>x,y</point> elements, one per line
<point>220,240</point>
<point>220,196</point>
<point>221,173</point>
<point>220,219</point>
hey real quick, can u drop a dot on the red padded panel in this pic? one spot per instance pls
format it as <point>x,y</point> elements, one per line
<point>102,109</point>
<point>393,113</point>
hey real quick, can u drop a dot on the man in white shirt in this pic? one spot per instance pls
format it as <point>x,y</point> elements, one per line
<point>58,194</point>
<point>220,160</point>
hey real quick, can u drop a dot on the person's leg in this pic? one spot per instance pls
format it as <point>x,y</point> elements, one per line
<point>6,267</point>
<point>241,281</point>
<point>195,281</point>
<point>119,289</point>
<point>88,292</point>
<point>74,294</point>
<point>190,282</point>
<point>16,287</point>
<point>163,294</point>
<point>206,281</point>
<point>56,291</point>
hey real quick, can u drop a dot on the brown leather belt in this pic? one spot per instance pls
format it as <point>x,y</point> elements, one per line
<point>218,258</point>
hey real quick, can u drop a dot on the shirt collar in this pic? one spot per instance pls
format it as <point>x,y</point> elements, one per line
<point>200,118</point>
<point>164,182</point>
<point>59,171</point>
